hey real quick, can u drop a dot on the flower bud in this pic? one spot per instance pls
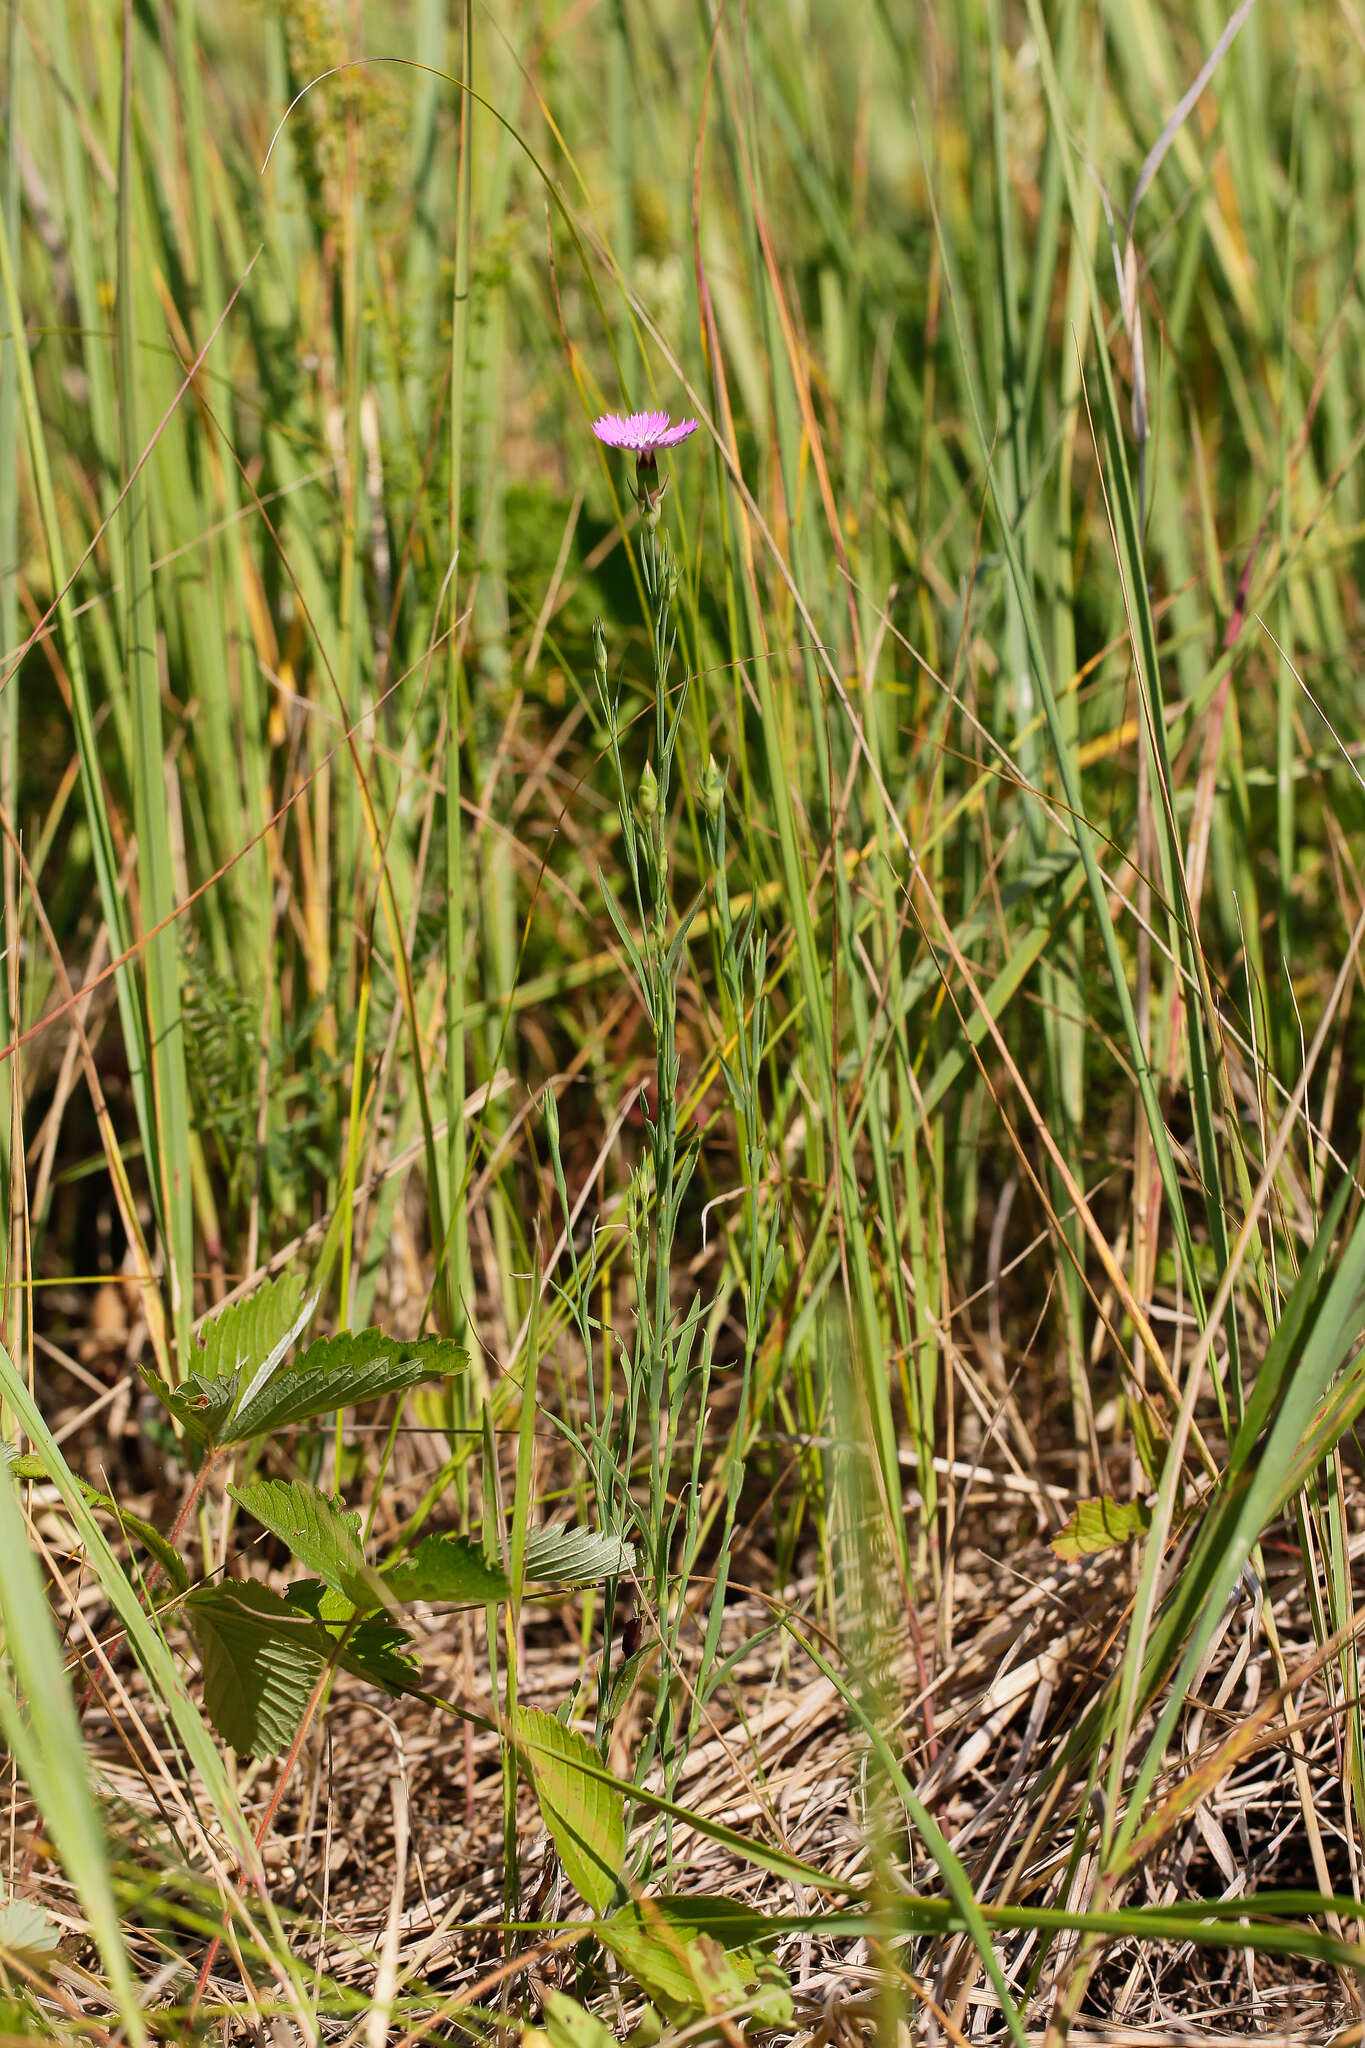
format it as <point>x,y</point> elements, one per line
<point>647,796</point>
<point>713,788</point>
<point>649,488</point>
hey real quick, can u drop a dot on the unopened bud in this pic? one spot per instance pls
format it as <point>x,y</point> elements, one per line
<point>647,796</point>
<point>713,788</point>
<point>649,488</point>
<point>599,650</point>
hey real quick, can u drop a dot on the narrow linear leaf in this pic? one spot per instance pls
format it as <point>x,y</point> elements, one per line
<point>936,1842</point>
<point>1213,1923</point>
<point>42,1734</point>
<point>626,1678</point>
<point>1297,1316</point>
<point>1326,1334</point>
<point>25,1466</point>
<point>149,768</point>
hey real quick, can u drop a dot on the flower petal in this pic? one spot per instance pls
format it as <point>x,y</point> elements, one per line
<point>641,432</point>
<point>671,437</point>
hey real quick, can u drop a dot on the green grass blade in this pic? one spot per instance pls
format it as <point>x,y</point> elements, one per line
<point>156,880</point>
<point>43,1734</point>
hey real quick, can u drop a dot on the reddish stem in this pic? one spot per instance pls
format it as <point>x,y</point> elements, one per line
<point>268,1818</point>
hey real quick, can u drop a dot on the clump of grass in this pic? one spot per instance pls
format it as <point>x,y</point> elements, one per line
<point>689,1161</point>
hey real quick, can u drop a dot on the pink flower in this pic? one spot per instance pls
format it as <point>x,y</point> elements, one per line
<point>641,432</point>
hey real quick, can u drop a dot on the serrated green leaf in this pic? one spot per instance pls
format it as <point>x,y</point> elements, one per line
<point>261,1661</point>
<point>201,1406</point>
<point>322,1536</point>
<point>570,2025</point>
<point>764,1986</point>
<point>160,1547</point>
<point>731,1922</point>
<point>27,1933</point>
<point>675,1951</point>
<point>575,1557</point>
<point>253,1335</point>
<point>339,1372</point>
<point>454,1569</point>
<point>449,1569</point>
<point>654,1954</point>
<point>239,1350</point>
<point>1102,1524</point>
<point>22,1464</point>
<point>378,1649</point>
<point>320,1601</point>
<point>586,1818</point>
